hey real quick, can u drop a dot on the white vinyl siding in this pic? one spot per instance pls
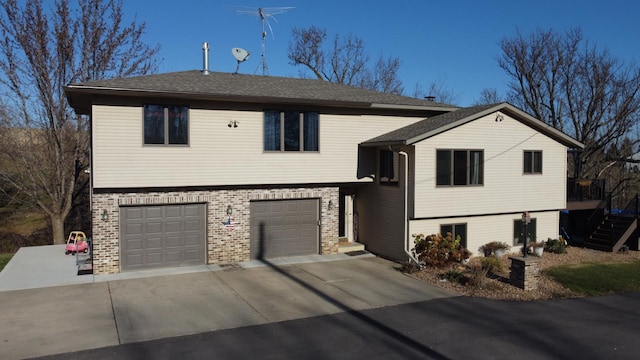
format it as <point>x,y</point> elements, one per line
<point>221,155</point>
<point>505,188</point>
<point>484,229</point>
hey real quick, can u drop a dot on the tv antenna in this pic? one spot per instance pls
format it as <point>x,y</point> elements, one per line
<point>265,14</point>
<point>241,55</point>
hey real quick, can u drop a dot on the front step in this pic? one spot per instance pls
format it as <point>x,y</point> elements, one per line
<point>345,247</point>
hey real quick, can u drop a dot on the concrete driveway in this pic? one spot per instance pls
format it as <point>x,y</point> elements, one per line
<point>132,307</point>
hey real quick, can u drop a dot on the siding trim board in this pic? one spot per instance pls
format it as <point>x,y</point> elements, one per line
<point>481,215</point>
<point>147,190</point>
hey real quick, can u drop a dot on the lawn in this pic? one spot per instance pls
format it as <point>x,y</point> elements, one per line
<point>595,279</point>
<point>4,260</point>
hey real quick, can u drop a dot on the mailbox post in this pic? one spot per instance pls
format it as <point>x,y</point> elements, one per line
<point>526,218</point>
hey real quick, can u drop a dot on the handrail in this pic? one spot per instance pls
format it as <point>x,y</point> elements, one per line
<point>632,207</point>
<point>598,214</point>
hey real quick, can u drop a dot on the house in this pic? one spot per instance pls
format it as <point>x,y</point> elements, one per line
<point>213,168</point>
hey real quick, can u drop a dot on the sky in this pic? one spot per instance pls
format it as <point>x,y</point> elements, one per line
<point>453,42</point>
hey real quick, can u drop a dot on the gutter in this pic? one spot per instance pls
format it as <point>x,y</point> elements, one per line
<point>407,245</point>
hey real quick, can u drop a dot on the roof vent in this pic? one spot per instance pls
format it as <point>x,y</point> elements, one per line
<point>430,98</point>
<point>205,58</point>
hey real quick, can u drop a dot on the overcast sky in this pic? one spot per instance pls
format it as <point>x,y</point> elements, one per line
<point>454,41</point>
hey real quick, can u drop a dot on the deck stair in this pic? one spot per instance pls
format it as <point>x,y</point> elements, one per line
<point>615,229</point>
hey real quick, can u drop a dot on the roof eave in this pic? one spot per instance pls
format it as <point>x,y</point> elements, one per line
<point>413,107</point>
<point>91,91</point>
<point>383,143</point>
<point>544,128</point>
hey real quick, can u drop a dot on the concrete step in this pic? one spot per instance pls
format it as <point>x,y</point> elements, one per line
<point>349,246</point>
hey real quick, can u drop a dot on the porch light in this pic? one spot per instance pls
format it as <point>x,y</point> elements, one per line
<point>105,215</point>
<point>330,205</point>
<point>229,210</point>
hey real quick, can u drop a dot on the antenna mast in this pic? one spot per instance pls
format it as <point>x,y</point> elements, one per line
<point>264,14</point>
<point>263,59</point>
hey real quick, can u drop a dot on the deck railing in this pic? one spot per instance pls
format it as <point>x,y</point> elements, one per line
<point>585,190</point>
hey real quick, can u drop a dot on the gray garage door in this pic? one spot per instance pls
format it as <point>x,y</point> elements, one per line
<point>284,228</point>
<point>162,236</point>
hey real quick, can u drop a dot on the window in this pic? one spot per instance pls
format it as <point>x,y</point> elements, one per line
<point>532,162</point>
<point>166,125</point>
<point>459,167</point>
<point>518,231</point>
<point>455,230</point>
<point>290,131</point>
<point>388,167</point>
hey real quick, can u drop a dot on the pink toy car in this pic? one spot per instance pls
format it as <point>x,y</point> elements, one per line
<point>77,242</point>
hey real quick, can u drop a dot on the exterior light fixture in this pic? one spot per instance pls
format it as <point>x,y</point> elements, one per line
<point>229,210</point>
<point>330,205</point>
<point>105,215</point>
<point>233,123</point>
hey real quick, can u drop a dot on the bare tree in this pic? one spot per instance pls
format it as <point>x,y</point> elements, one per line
<point>45,144</point>
<point>346,62</point>
<point>438,90</point>
<point>489,96</point>
<point>574,87</point>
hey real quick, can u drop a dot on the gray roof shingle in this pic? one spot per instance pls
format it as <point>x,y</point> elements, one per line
<point>424,129</point>
<point>241,87</point>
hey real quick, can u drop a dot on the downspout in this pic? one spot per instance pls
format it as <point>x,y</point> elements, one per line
<point>407,245</point>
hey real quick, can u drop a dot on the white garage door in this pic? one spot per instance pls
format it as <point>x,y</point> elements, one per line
<point>162,236</point>
<point>284,228</point>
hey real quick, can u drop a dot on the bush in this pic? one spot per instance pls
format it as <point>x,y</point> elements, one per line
<point>492,264</point>
<point>490,248</point>
<point>453,275</point>
<point>477,274</point>
<point>558,246</point>
<point>439,251</point>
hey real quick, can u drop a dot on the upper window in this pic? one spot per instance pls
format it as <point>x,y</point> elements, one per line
<point>532,162</point>
<point>388,167</point>
<point>290,131</point>
<point>459,167</point>
<point>166,125</point>
<point>455,230</point>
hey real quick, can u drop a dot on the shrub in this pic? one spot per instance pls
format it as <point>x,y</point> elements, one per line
<point>558,246</point>
<point>439,251</point>
<point>490,248</point>
<point>453,275</point>
<point>492,264</point>
<point>478,274</point>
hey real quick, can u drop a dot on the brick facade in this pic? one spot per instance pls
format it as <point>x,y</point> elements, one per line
<point>223,245</point>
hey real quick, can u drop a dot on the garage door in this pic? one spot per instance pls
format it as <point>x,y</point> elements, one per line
<point>284,228</point>
<point>162,236</point>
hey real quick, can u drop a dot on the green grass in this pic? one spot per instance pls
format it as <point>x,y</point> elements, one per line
<point>595,279</point>
<point>4,260</point>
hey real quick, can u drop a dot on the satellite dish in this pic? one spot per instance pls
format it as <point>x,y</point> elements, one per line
<point>241,55</point>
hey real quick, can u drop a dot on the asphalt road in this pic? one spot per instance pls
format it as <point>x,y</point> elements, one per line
<point>605,327</point>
